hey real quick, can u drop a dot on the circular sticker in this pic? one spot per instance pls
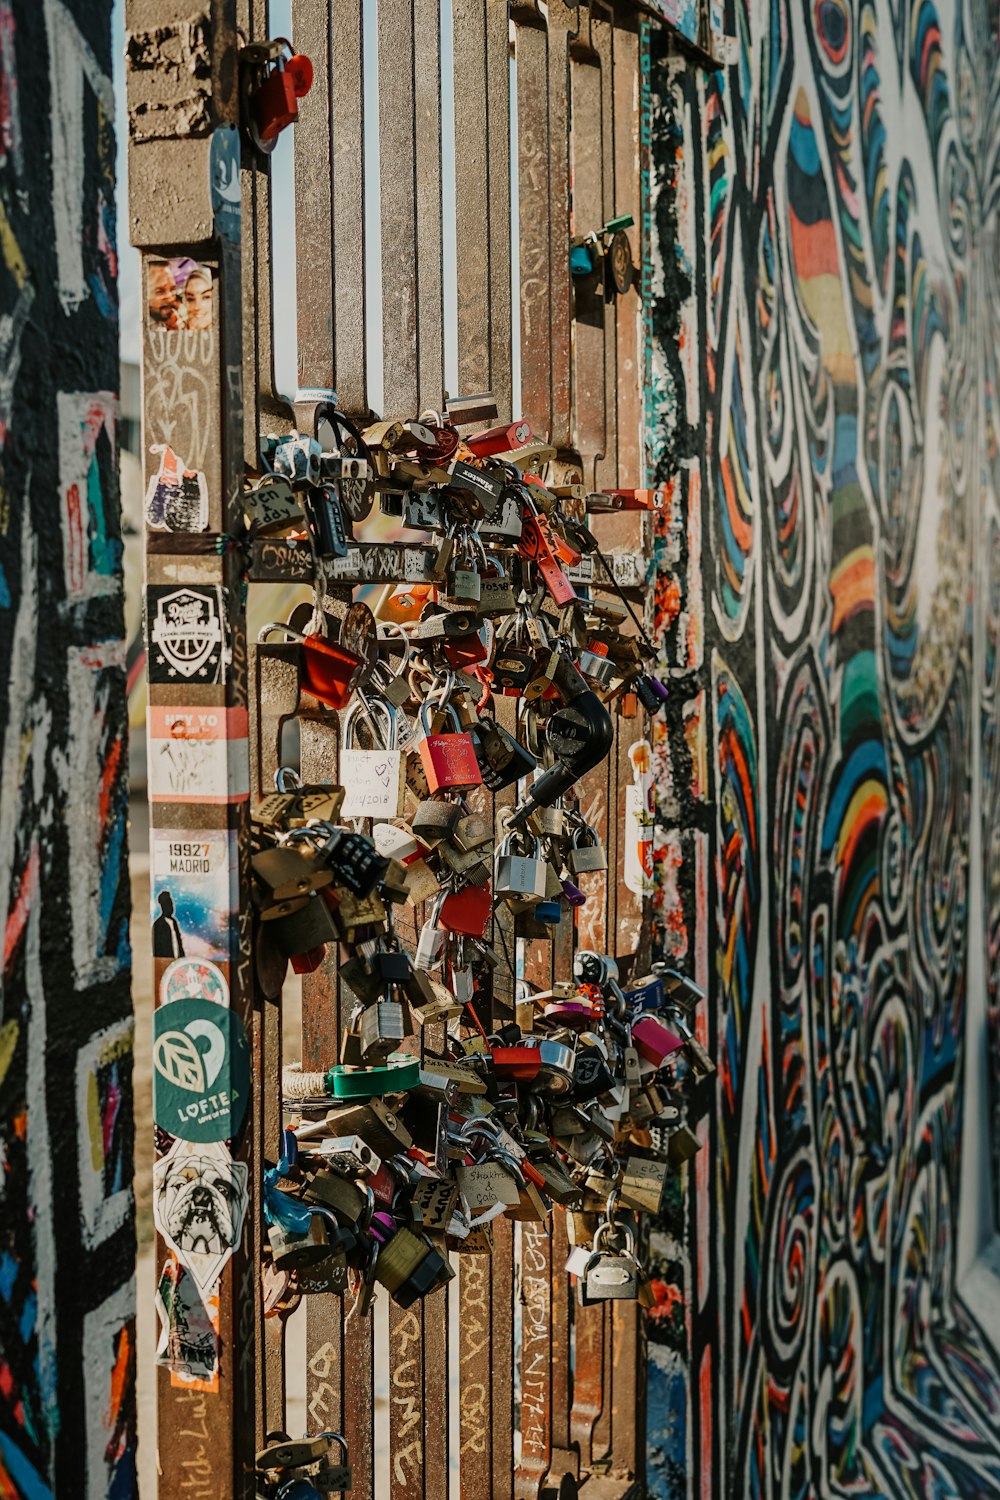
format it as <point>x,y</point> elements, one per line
<point>194,979</point>
<point>201,1070</point>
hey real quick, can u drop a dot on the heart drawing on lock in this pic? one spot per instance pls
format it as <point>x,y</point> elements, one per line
<point>182,1062</point>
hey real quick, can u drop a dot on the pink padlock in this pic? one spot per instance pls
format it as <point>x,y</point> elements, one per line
<point>653,1041</point>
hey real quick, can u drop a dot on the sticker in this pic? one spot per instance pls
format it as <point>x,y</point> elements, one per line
<point>199,1204</point>
<point>186,634</point>
<point>179,294</point>
<point>194,979</point>
<point>176,497</point>
<point>224,182</point>
<point>188,1345</point>
<point>639,821</point>
<point>194,885</point>
<point>197,754</point>
<point>201,1070</point>
<point>371,781</point>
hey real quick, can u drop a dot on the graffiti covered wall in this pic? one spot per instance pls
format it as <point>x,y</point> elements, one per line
<point>67,1240</point>
<point>823,407</point>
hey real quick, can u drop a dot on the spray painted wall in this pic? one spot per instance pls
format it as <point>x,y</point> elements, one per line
<point>827,319</point>
<point>67,1239</point>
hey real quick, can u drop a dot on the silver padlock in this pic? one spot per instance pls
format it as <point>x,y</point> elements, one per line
<point>432,941</point>
<point>349,1154</point>
<point>611,1275</point>
<point>383,1026</point>
<point>587,853</point>
<point>520,874</point>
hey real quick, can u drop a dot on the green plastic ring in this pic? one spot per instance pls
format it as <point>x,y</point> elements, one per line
<point>399,1074</point>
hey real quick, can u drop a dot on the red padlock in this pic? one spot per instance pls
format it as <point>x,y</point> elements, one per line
<point>449,760</point>
<point>328,671</point>
<point>522,1064</point>
<point>467,911</point>
<point>499,439</point>
<point>537,546</point>
<point>275,103</point>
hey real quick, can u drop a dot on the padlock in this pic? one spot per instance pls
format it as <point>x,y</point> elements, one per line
<point>449,760</point>
<point>682,1144</point>
<point>349,1154</point>
<point>592,1075</point>
<point>378,1126</point>
<point>432,939</point>
<point>557,1182</point>
<point>587,852</point>
<point>430,1000</point>
<point>309,926</point>
<point>435,819</point>
<point>335,1478</point>
<point>519,874</point>
<point>653,1041</point>
<point>329,1189</point>
<point>610,1275</point>
<point>372,774</point>
<point>274,104</point>
<point>382,1027</point>
<point>643,1184</point>
<point>288,870</point>
<point>502,759</point>
<point>354,860</point>
<point>466,911</point>
<point>283,1452</point>
<point>699,1059</point>
<point>325,518</point>
<point>409,1267</point>
<point>327,671</point>
<point>290,1249</point>
<point>651,692</point>
<point>531,1206</point>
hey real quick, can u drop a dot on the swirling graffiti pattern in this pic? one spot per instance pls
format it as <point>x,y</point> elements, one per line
<point>840,210</point>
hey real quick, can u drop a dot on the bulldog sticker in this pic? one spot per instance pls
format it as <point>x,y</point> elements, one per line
<point>199,1204</point>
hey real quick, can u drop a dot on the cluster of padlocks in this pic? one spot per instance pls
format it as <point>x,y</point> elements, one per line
<point>429,1124</point>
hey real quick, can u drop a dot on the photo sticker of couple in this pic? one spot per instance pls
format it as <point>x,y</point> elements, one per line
<point>180,294</point>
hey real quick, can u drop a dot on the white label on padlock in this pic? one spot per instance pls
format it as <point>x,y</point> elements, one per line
<point>579,1259</point>
<point>371,782</point>
<point>485,1184</point>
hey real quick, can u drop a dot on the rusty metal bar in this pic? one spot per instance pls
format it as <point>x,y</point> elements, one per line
<point>315,225</point>
<point>348,135</point>
<point>410,154</point>
<point>482,172</point>
<point>536,1360</point>
<point>627,370</point>
<point>588,384</point>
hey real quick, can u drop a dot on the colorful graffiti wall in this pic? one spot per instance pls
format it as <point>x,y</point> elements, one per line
<point>67,1239</point>
<point>823,404</point>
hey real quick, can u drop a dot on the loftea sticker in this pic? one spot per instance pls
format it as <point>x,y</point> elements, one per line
<point>197,754</point>
<point>194,892</point>
<point>201,1070</point>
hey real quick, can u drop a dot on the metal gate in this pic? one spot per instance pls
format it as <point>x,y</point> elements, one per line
<point>532,1388</point>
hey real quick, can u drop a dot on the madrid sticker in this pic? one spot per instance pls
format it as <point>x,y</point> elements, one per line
<point>194,878</point>
<point>199,1204</point>
<point>186,633</point>
<point>201,1070</point>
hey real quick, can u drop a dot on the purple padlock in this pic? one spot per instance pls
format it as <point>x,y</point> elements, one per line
<point>572,893</point>
<point>382,1227</point>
